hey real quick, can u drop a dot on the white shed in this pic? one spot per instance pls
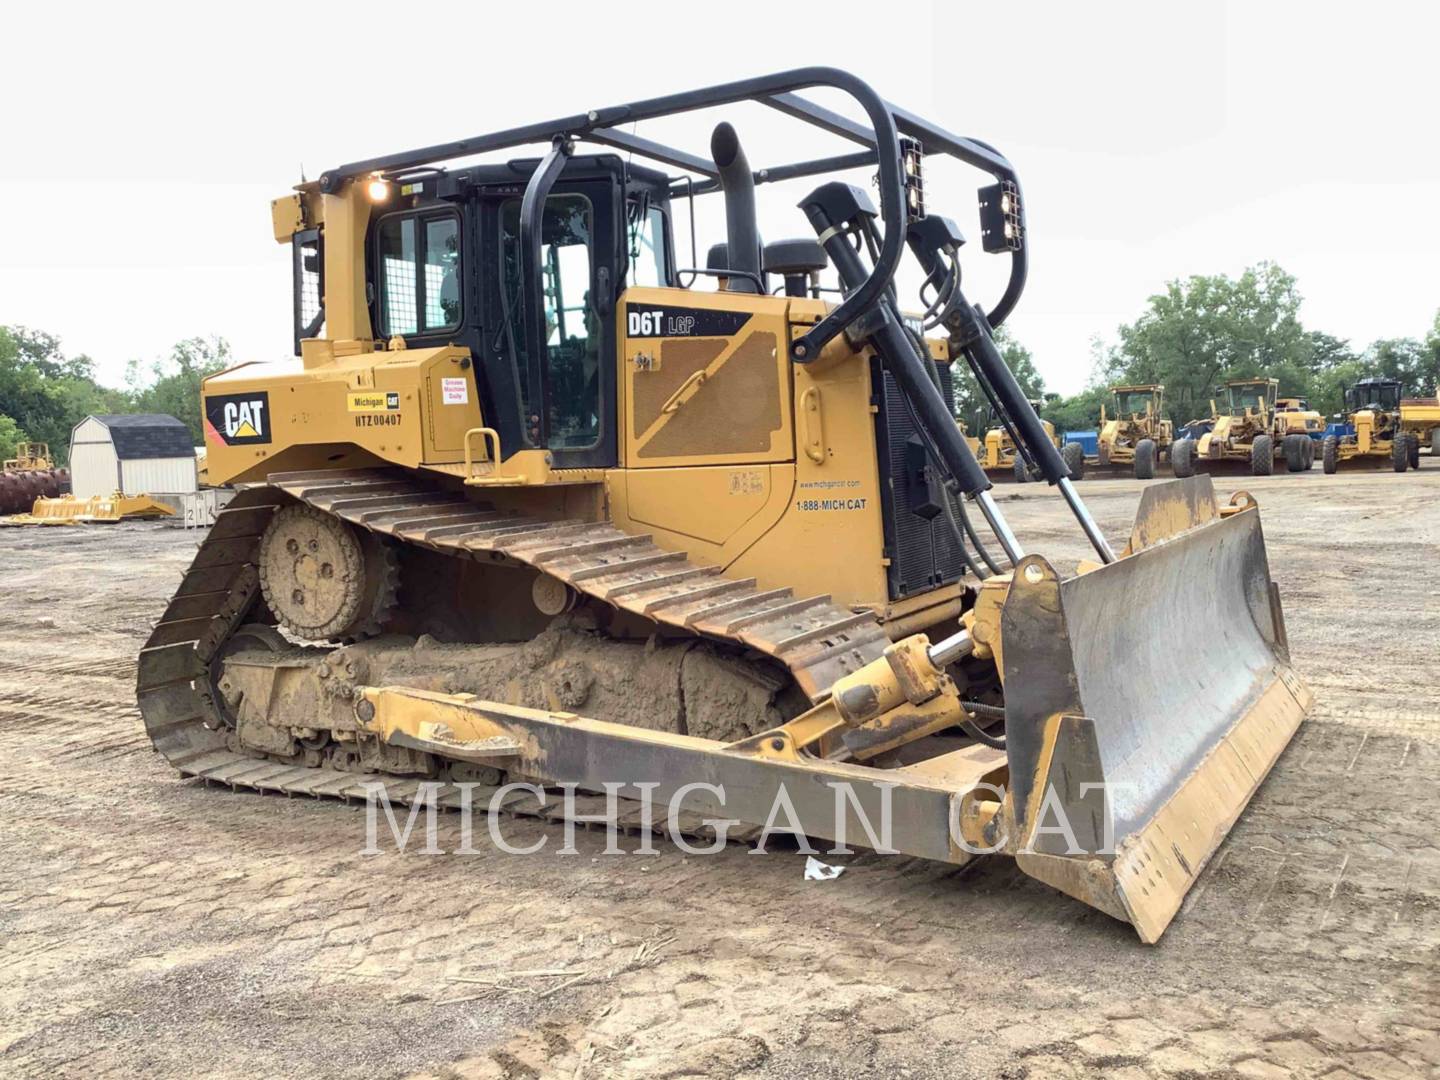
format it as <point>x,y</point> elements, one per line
<point>135,454</point>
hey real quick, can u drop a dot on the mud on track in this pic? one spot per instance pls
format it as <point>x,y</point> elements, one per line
<point>149,925</point>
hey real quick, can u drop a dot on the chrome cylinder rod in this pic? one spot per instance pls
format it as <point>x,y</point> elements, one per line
<point>947,651</point>
<point>1082,515</point>
<point>1013,551</point>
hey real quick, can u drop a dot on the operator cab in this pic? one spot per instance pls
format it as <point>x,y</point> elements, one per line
<point>1133,401</point>
<point>1380,394</point>
<point>443,267</point>
<point>1255,395</point>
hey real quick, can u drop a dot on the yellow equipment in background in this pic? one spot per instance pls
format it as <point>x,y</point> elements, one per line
<point>29,455</point>
<point>1252,428</point>
<point>1138,433</point>
<point>998,454</point>
<point>96,510</point>
<point>29,475</point>
<point>545,512</point>
<point>1420,420</point>
<point>1377,430</point>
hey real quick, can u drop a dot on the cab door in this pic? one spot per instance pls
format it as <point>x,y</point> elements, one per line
<point>566,395</point>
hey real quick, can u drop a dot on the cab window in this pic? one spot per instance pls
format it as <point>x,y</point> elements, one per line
<point>419,264</point>
<point>645,233</point>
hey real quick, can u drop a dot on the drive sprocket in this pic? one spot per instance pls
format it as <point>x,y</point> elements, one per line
<point>322,579</point>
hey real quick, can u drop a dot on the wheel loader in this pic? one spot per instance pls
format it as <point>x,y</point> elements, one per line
<point>1251,429</point>
<point>998,453</point>
<point>1375,428</point>
<point>1138,434</point>
<point>533,503</point>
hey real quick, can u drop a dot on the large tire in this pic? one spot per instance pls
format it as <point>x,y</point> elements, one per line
<point>1262,455</point>
<point>1330,454</point>
<point>1294,452</point>
<point>1435,443</point>
<point>1145,459</point>
<point>1022,474</point>
<point>1182,457</point>
<point>1400,452</point>
<point>1309,445</point>
<point>1414,449</point>
<point>1074,455</point>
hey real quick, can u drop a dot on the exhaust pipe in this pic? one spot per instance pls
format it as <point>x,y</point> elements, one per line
<point>741,229</point>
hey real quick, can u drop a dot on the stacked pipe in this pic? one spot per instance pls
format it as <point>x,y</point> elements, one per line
<point>20,488</point>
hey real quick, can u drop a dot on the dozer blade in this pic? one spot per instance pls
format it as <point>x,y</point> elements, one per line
<point>102,509</point>
<point>1145,703</point>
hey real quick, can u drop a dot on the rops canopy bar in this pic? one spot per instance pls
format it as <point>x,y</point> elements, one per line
<point>777,91</point>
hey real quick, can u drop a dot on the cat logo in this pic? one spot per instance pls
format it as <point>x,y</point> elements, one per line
<point>238,419</point>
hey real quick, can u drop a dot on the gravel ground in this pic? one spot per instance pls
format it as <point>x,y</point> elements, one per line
<point>153,926</point>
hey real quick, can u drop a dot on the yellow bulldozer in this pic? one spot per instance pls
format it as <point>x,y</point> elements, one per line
<point>1254,427</point>
<point>1138,433</point>
<point>529,506</point>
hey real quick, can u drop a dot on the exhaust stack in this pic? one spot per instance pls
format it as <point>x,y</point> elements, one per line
<point>741,229</point>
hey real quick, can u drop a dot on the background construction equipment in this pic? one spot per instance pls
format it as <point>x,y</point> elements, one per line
<point>30,475</point>
<point>1138,433</point>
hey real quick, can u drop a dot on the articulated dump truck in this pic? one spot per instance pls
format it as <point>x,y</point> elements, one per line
<point>528,505</point>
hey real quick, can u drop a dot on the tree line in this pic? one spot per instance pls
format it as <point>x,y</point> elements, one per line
<point>1204,330</point>
<point>44,393</point>
<point>1191,337</point>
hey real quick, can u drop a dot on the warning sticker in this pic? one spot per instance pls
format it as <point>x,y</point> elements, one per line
<point>455,391</point>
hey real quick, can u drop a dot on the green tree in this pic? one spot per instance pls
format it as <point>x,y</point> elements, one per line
<point>174,386</point>
<point>1206,329</point>
<point>1415,363</point>
<point>10,434</point>
<point>971,405</point>
<point>1079,412</point>
<point>47,393</point>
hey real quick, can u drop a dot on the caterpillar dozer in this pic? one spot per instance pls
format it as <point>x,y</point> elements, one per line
<point>529,506</point>
<point>1138,433</point>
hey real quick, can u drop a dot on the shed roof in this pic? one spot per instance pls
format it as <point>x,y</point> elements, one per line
<point>147,435</point>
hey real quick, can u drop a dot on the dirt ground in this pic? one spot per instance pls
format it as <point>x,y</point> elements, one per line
<point>153,926</point>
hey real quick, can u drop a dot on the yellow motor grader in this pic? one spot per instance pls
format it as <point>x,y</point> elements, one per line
<point>1251,428</point>
<point>1374,427</point>
<point>999,453</point>
<point>1138,434</point>
<point>529,506</point>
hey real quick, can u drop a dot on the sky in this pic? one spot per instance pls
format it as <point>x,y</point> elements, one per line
<point>141,144</point>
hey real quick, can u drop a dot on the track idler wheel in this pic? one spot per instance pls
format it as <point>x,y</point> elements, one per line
<point>323,579</point>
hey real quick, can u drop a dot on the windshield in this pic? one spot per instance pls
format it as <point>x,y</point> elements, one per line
<point>1133,402</point>
<point>1247,396</point>
<point>1381,395</point>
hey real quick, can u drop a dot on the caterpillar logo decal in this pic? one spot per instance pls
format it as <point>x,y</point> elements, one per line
<point>238,419</point>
